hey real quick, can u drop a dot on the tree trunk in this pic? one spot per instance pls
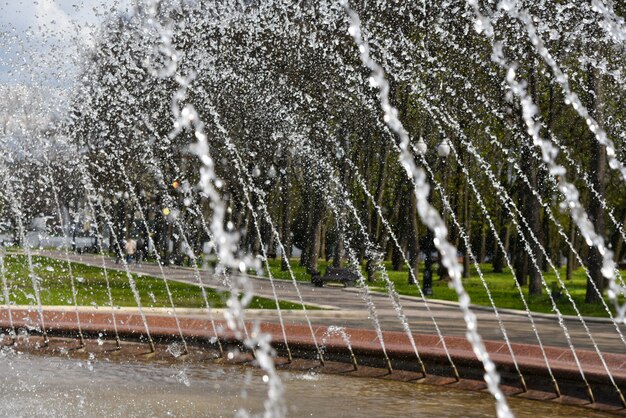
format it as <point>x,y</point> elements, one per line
<point>532,210</point>
<point>520,264</point>
<point>315,232</point>
<point>322,251</point>
<point>466,216</point>
<point>548,244</point>
<point>413,237</point>
<point>403,226</point>
<point>483,244</point>
<point>307,204</point>
<point>619,241</point>
<point>285,211</point>
<point>442,271</point>
<point>338,251</point>
<point>598,173</point>
<point>366,207</point>
<point>388,245</point>
<point>570,253</point>
<point>498,253</point>
<point>380,189</point>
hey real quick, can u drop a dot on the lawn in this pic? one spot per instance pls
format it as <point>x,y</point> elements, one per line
<point>91,287</point>
<point>501,285</point>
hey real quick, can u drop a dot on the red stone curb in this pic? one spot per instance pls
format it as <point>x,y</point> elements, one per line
<point>368,350</point>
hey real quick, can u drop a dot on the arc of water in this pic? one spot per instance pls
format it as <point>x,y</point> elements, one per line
<point>116,239</point>
<point>448,39</point>
<point>549,154</point>
<point>226,245</point>
<point>341,331</point>
<point>240,167</point>
<point>570,245</point>
<point>159,176</point>
<point>511,204</point>
<point>492,108</point>
<point>428,214</point>
<point>392,294</point>
<point>226,242</point>
<point>366,295</point>
<point>506,152</point>
<point>7,296</point>
<point>152,158</point>
<point>513,9</point>
<point>434,321</point>
<point>14,206</point>
<point>192,257</point>
<point>579,169</point>
<point>513,209</point>
<point>155,166</point>
<point>446,350</point>
<point>391,291</point>
<point>506,202</point>
<point>509,264</point>
<point>90,197</point>
<point>466,239</point>
<point>583,174</point>
<point>66,253</point>
<point>564,150</point>
<point>503,193</point>
<point>266,260</point>
<point>603,202</point>
<point>198,211</point>
<point>468,247</point>
<point>157,256</point>
<point>413,274</point>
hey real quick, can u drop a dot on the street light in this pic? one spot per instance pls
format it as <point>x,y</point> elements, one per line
<point>421,147</point>
<point>443,150</point>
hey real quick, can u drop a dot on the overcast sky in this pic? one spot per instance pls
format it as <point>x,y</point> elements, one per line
<point>39,39</point>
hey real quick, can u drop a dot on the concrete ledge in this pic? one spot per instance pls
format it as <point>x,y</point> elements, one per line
<point>368,351</point>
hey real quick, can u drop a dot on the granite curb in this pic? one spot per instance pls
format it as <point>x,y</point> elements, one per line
<point>368,350</point>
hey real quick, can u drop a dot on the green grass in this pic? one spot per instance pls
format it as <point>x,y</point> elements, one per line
<point>91,288</point>
<point>501,285</point>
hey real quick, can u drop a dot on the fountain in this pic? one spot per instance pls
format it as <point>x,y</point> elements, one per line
<point>173,173</point>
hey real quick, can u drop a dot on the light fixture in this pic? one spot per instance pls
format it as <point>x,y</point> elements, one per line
<point>443,149</point>
<point>421,147</point>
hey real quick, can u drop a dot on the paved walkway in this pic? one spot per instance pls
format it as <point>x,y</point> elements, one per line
<point>350,310</point>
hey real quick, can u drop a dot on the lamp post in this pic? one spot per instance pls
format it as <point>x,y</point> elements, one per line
<point>443,150</point>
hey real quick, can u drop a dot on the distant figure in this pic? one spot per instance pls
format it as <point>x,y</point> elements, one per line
<point>141,249</point>
<point>121,245</point>
<point>131,248</point>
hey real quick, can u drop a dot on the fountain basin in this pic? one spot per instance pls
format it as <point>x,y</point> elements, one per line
<point>71,383</point>
<point>198,332</point>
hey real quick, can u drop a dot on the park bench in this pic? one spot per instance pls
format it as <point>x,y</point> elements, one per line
<point>347,277</point>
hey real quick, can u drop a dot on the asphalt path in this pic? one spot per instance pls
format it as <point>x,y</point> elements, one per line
<point>349,308</point>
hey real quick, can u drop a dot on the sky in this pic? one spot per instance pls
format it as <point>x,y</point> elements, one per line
<point>40,39</point>
<point>40,44</point>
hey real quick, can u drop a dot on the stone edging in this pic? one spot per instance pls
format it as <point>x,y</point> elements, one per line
<point>368,351</point>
